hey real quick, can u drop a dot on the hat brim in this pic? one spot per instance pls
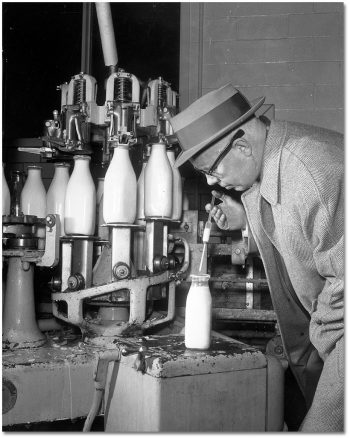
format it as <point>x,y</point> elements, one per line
<point>186,155</point>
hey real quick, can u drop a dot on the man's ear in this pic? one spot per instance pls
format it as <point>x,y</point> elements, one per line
<point>243,146</point>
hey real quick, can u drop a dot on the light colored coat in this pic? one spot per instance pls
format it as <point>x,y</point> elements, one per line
<point>296,215</point>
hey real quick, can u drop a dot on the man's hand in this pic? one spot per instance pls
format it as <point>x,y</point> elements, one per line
<point>229,215</point>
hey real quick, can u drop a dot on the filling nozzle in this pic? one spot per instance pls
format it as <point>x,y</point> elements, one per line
<point>207,227</point>
<point>206,232</point>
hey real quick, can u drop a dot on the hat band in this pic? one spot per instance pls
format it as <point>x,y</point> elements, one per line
<point>214,121</point>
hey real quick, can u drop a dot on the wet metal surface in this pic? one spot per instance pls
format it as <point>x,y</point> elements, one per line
<point>57,349</point>
<point>163,354</point>
<point>159,352</point>
<point>167,356</point>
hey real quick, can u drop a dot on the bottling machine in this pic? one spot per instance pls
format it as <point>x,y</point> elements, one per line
<point>119,304</point>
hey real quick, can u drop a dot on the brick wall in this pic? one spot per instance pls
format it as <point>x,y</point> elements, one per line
<point>292,53</point>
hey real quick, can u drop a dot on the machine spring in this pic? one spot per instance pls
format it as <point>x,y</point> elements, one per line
<point>122,89</point>
<point>79,91</point>
<point>162,89</point>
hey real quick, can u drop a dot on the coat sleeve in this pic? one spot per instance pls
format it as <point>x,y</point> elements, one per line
<point>323,227</point>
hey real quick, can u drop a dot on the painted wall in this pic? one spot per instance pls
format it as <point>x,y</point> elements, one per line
<point>292,53</point>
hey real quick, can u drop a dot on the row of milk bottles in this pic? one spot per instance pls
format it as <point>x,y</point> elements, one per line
<point>119,198</point>
<point>72,198</point>
<point>156,194</point>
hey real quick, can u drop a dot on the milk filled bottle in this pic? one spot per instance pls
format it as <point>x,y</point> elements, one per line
<point>80,203</point>
<point>33,200</point>
<point>158,184</point>
<point>120,188</point>
<point>6,199</point>
<point>56,195</point>
<point>198,314</point>
<point>177,188</point>
<point>33,195</point>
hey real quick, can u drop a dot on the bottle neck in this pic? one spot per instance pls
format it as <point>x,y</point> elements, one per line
<point>34,173</point>
<point>199,284</point>
<point>200,280</point>
<point>81,164</point>
<point>61,170</point>
<point>121,151</point>
<point>158,147</point>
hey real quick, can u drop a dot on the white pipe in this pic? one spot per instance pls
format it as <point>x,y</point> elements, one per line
<point>103,360</point>
<point>105,25</point>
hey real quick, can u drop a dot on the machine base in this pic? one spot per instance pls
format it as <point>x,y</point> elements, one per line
<point>162,387</point>
<point>230,387</point>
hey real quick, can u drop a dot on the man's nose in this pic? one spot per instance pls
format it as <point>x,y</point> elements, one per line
<point>211,180</point>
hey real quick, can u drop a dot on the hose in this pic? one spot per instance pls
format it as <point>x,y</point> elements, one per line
<point>95,407</point>
<point>105,24</point>
<point>103,360</point>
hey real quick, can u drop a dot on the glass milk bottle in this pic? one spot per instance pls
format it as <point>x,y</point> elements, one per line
<point>16,187</point>
<point>56,194</point>
<point>120,188</point>
<point>198,314</point>
<point>80,203</point>
<point>33,200</point>
<point>33,195</point>
<point>6,198</point>
<point>158,184</point>
<point>177,188</point>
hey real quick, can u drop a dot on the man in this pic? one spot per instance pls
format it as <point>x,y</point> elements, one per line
<point>292,184</point>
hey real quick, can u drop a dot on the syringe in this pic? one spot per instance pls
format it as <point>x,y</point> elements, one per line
<point>206,232</point>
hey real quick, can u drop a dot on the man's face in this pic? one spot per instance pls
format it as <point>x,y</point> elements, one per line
<point>239,168</point>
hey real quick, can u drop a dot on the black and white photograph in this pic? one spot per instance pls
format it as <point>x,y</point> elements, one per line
<point>173,217</point>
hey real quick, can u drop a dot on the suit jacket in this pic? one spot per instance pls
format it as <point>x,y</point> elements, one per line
<point>296,215</point>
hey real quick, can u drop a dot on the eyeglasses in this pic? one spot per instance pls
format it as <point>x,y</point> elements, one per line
<point>222,154</point>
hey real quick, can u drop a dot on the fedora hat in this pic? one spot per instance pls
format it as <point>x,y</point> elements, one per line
<point>209,118</point>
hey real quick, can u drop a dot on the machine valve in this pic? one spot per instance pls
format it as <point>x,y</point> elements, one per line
<point>76,282</point>
<point>121,271</point>
<point>160,263</point>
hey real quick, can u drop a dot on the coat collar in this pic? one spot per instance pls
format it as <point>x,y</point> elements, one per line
<point>269,181</point>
